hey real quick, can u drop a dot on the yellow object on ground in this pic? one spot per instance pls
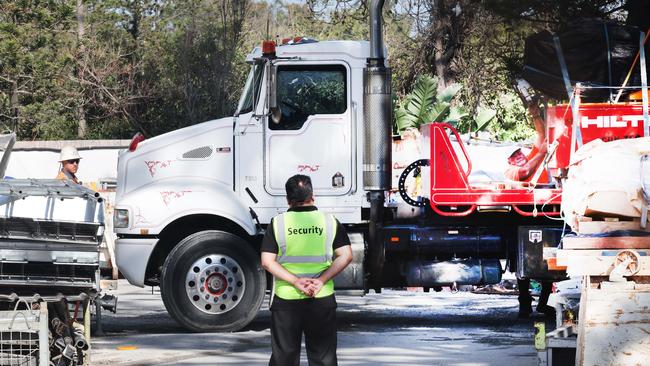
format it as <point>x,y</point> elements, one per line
<point>127,348</point>
<point>540,335</point>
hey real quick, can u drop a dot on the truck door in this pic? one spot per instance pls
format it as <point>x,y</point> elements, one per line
<point>312,131</point>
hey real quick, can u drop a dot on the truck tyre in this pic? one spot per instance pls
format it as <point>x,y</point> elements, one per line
<point>213,281</point>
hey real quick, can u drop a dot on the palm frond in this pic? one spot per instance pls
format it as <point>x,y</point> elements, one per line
<point>438,112</point>
<point>422,97</point>
<point>449,93</point>
<point>455,115</point>
<point>424,105</point>
<point>483,118</point>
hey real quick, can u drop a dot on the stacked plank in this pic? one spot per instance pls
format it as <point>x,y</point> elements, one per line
<point>604,202</point>
<point>587,225</point>
<point>599,239</point>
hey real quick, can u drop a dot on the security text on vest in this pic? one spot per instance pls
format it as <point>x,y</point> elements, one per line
<point>305,230</point>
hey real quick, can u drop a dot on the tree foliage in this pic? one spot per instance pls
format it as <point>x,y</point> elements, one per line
<point>425,105</point>
<point>120,67</point>
<point>34,60</point>
<point>108,68</point>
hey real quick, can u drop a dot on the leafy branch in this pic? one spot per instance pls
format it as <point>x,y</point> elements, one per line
<point>424,105</point>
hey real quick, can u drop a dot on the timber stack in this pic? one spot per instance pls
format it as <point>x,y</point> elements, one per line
<point>605,202</point>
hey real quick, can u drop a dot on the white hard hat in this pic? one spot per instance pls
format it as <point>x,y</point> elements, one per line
<point>69,153</point>
<point>510,150</point>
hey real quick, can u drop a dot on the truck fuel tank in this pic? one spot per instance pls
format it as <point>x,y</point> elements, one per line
<point>443,242</point>
<point>458,271</point>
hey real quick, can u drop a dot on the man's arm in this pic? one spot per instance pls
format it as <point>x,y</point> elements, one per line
<point>533,164</point>
<point>343,258</point>
<point>539,123</point>
<point>270,263</point>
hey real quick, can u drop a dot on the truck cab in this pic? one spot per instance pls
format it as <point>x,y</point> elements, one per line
<point>313,130</point>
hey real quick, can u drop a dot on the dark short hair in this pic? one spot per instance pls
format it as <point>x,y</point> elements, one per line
<point>299,188</point>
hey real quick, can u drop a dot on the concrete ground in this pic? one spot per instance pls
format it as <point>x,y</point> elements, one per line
<point>392,328</point>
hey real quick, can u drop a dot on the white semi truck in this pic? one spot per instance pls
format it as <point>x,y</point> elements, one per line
<point>192,204</point>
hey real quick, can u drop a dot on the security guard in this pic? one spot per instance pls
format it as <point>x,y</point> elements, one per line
<point>297,251</point>
<point>69,159</point>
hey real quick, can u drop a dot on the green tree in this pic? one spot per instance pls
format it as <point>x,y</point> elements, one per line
<point>190,63</point>
<point>36,97</point>
<point>107,68</point>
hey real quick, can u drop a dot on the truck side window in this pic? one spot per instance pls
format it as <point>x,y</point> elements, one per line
<point>306,90</point>
<point>251,90</point>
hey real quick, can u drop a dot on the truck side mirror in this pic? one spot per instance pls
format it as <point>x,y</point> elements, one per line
<point>274,110</point>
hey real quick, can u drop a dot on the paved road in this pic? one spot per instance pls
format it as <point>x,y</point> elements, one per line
<point>392,328</point>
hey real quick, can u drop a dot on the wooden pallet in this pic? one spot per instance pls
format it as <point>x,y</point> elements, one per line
<point>599,225</point>
<point>596,262</point>
<point>609,242</point>
<point>595,255</point>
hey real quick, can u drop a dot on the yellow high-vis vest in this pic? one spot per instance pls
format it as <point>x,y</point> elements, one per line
<point>305,248</point>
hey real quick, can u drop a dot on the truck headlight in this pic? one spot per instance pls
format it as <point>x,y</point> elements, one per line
<point>121,218</point>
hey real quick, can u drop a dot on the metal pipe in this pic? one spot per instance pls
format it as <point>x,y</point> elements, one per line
<point>43,333</point>
<point>99,331</point>
<point>377,109</point>
<point>376,31</point>
<point>59,344</point>
<point>377,120</point>
<point>86,320</point>
<point>377,125</point>
<point>80,340</point>
<point>69,352</point>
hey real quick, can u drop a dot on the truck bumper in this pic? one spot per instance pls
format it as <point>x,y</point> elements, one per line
<point>132,257</point>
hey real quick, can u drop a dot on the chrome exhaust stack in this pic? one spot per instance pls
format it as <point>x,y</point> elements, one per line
<point>377,109</point>
<point>377,120</point>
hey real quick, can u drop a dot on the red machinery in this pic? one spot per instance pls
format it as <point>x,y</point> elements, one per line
<point>452,194</point>
<point>604,121</point>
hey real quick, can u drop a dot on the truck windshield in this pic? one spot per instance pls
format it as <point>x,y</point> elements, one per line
<point>251,90</point>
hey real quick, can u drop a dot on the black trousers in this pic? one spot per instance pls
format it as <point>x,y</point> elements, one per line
<point>319,327</point>
<point>525,299</point>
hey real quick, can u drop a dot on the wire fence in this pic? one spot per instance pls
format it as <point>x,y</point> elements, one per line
<point>24,335</point>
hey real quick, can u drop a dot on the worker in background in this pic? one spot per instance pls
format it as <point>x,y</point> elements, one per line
<point>297,250</point>
<point>69,159</point>
<point>523,168</point>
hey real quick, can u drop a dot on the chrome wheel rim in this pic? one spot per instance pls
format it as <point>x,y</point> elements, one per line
<point>215,284</point>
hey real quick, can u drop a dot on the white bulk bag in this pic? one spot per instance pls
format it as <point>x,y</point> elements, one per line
<point>605,179</point>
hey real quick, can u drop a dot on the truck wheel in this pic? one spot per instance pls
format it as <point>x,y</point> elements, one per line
<point>213,281</point>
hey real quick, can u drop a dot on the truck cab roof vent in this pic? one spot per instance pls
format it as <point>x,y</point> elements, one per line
<point>202,152</point>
